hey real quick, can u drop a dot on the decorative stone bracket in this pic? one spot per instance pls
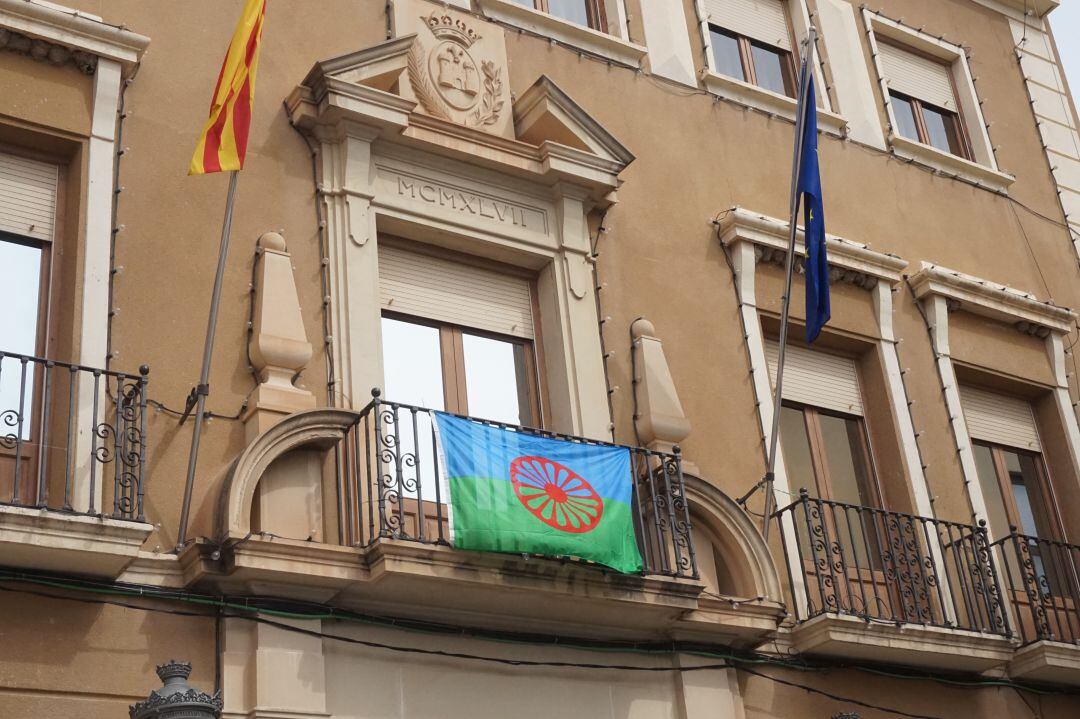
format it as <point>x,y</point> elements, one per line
<point>278,345</point>
<point>660,420</point>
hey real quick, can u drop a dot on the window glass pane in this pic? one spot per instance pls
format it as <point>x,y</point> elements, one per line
<point>412,374</point>
<point>796,447</point>
<point>495,380</point>
<point>905,117</point>
<point>848,474</point>
<point>572,10</point>
<point>991,491</point>
<point>20,276</point>
<point>941,129</point>
<point>412,364</point>
<point>768,66</point>
<point>726,54</point>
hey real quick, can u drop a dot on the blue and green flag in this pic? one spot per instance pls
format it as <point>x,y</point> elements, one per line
<point>516,492</point>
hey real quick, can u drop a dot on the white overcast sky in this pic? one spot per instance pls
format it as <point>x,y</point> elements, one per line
<point>1066,23</point>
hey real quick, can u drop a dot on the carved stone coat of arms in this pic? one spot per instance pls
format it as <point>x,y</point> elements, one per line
<point>451,77</point>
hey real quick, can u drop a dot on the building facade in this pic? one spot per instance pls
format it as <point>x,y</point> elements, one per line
<point>567,217</point>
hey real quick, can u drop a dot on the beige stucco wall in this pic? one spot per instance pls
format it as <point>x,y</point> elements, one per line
<point>696,157</point>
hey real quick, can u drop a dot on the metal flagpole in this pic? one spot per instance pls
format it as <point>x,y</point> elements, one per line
<point>199,394</point>
<point>800,124</point>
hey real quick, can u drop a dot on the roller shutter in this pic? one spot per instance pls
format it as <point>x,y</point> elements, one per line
<point>762,20</point>
<point>920,77</point>
<point>27,197</point>
<point>817,378</point>
<point>999,419</point>
<point>461,294</point>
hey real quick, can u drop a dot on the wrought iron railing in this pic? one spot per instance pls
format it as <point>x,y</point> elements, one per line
<point>389,486</point>
<point>1043,579</point>
<point>887,566</point>
<point>72,438</point>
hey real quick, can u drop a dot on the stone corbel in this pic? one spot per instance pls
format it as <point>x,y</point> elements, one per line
<point>278,345</point>
<point>660,420</point>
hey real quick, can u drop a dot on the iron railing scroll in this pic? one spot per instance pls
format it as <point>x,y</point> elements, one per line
<point>893,567</point>
<point>72,438</point>
<point>1043,580</point>
<point>389,487</point>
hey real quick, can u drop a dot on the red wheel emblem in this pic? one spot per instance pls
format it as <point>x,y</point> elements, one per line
<point>556,495</point>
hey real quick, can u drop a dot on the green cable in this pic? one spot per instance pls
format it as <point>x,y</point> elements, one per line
<point>166,595</point>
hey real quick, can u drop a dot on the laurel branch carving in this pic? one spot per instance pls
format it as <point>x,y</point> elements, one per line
<point>421,84</point>
<point>491,103</point>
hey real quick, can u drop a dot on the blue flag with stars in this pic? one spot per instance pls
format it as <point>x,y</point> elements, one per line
<point>809,187</point>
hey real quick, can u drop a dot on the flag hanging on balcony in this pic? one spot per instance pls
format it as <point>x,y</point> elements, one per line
<point>816,263</point>
<point>223,143</point>
<point>519,493</point>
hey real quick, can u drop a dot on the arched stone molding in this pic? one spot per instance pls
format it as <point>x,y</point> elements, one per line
<point>314,429</point>
<point>743,548</point>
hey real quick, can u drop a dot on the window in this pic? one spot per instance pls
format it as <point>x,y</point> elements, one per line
<point>455,369</point>
<point>923,100</point>
<point>1012,476</point>
<point>825,446</point>
<point>28,210</point>
<point>752,62</point>
<point>458,337</point>
<point>589,13</point>
<point>934,126</point>
<point>751,42</point>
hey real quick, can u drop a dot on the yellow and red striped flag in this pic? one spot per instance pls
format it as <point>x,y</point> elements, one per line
<point>223,143</point>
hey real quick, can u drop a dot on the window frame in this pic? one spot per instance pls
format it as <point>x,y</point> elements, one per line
<point>746,57</point>
<point>595,10</point>
<point>452,363</point>
<point>1004,485</point>
<point>815,440</point>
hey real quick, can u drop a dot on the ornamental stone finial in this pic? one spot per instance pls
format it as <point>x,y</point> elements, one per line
<point>177,699</point>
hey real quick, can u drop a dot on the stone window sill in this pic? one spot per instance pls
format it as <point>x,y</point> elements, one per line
<point>950,164</point>
<point>768,101</point>
<point>563,31</point>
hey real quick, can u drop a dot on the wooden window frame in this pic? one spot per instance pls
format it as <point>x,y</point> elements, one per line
<point>746,56</point>
<point>918,106</point>
<point>452,361</point>
<point>816,441</point>
<point>1004,483</point>
<point>594,9</point>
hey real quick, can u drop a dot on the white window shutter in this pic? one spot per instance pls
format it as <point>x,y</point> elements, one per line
<point>920,77</point>
<point>1000,419</point>
<point>27,197</point>
<point>439,289</point>
<point>762,20</point>
<point>815,378</point>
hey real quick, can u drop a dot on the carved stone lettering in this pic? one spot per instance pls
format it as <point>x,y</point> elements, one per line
<point>465,202</point>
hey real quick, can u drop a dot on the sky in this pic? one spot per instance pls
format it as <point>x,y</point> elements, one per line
<point>1066,23</point>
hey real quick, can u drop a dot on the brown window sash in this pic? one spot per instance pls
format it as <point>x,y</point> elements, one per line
<point>962,140</point>
<point>593,8</point>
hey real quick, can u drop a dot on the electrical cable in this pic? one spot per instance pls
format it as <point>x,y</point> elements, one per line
<point>252,606</point>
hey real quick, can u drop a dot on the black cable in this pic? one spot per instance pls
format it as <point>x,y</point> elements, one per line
<point>837,697</point>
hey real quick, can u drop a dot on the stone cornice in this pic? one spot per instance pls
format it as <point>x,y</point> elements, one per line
<point>77,31</point>
<point>988,299</point>
<point>323,102</point>
<point>849,261</point>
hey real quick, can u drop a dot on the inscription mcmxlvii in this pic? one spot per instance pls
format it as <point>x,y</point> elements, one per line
<point>471,203</point>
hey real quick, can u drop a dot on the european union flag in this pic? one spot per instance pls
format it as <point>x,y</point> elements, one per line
<point>809,187</point>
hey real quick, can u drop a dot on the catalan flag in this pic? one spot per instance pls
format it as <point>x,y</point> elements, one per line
<point>223,144</point>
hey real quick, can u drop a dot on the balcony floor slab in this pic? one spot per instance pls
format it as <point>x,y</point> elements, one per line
<point>52,541</point>
<point>1045,661</point>
<point>907,644</point>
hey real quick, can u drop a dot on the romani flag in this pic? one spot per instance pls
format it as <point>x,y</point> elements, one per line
<point>223,143</point>
<point>519,493</point>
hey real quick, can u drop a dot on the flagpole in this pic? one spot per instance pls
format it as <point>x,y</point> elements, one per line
<point>785,304</point>
<point>203,389</point>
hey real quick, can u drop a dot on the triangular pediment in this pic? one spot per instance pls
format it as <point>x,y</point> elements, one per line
<point>545,113</point>
<point>380,67</point>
